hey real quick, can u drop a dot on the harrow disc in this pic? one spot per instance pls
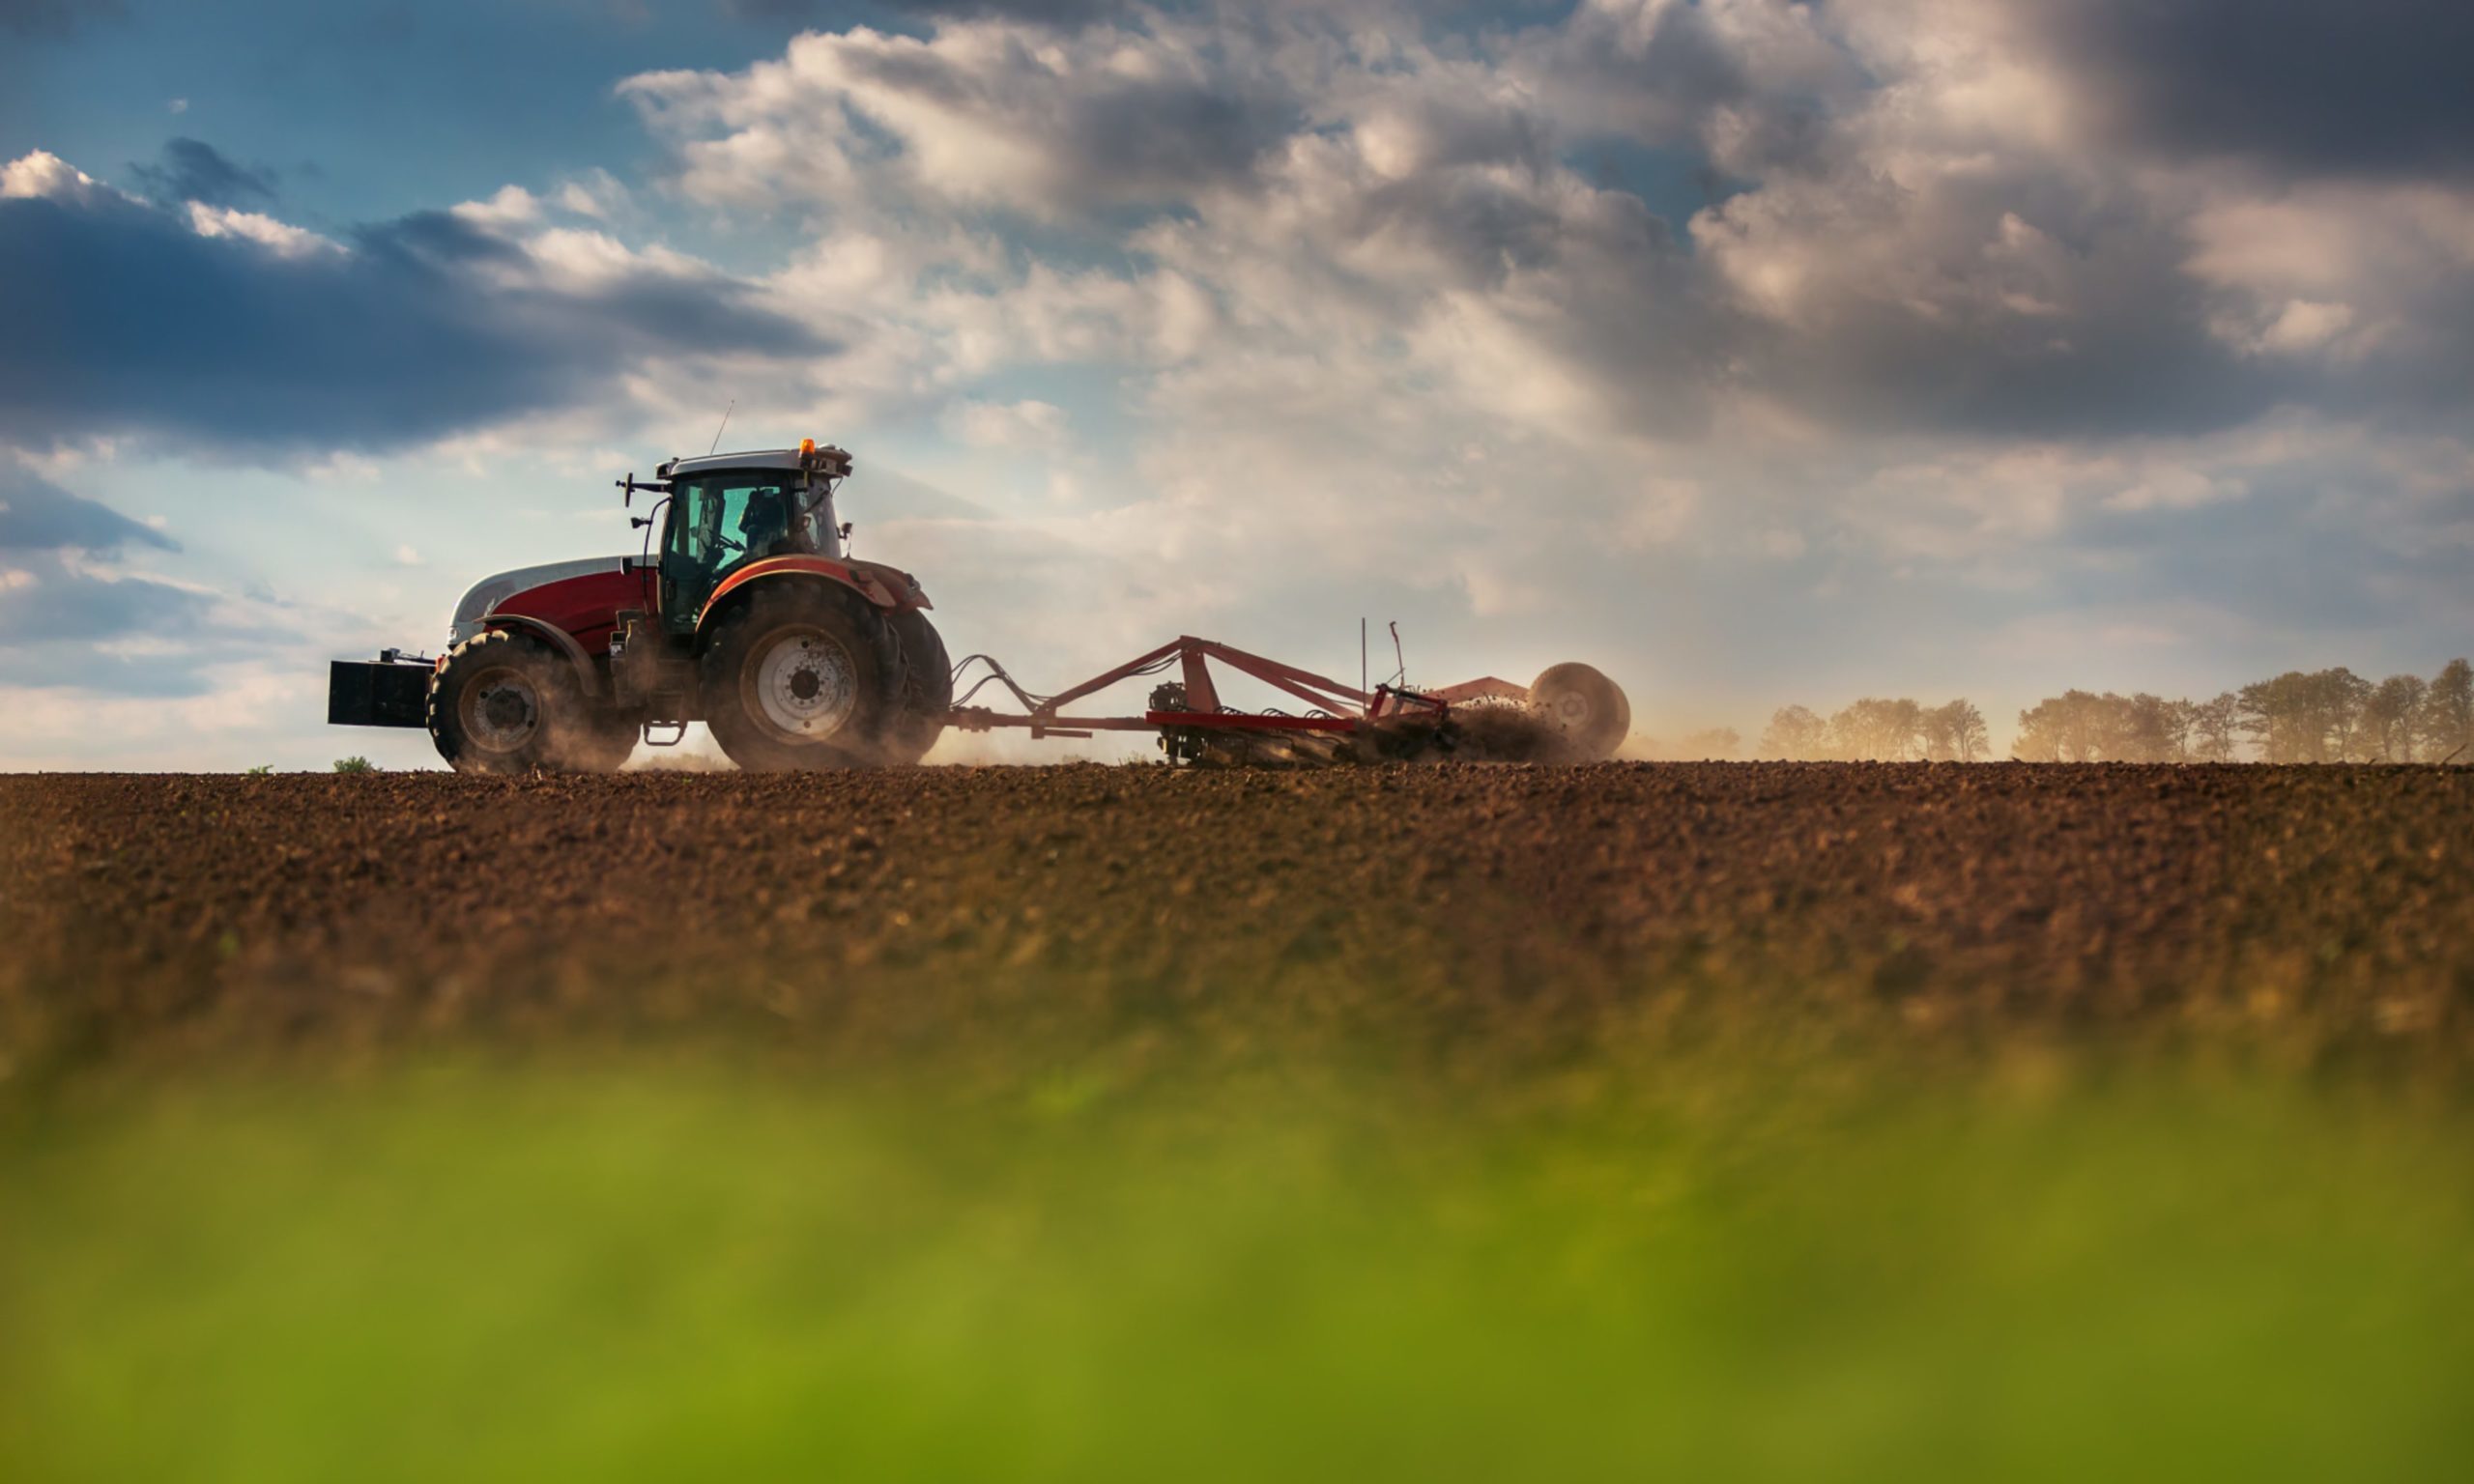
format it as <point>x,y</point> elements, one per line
<point>1585,707</point>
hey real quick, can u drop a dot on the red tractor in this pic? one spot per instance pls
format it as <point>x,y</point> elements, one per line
<point>753,621</point>
<point>750,619</point>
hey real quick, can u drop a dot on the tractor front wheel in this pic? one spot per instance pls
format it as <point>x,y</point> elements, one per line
<point>801,677</point>
<point>506,703</point>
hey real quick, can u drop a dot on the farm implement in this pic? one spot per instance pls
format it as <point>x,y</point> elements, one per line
<point>752,619</point>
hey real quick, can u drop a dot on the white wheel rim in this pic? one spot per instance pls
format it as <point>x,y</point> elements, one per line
<point>805,685</point>
<point>500,709</point>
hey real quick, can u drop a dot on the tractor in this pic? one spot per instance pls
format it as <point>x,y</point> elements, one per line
<point>753,620</point>
<point>750,619</point>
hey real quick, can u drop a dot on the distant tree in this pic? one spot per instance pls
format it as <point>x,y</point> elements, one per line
<point>1795,733</point>
<point>2143,728</point>
<point>1878,731</point>
<point>2448,714</point>
<point>2181,731</point>
<point>262,770</point>
<point>1955,733</point>
<point>2215,729</point>
<point>2307,718</point>
<point>2345,700</point>
<point>2072,727</point>
<point>2392,716</point>
<point>355,765</point>
<point>2271,712</point>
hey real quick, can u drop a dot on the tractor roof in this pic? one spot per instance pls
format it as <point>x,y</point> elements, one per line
<point>757,458</point>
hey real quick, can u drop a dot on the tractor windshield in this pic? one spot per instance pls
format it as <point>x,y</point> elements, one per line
<point>720,520</point>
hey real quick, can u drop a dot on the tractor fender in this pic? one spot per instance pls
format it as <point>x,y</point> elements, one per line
<point>560,639</point>
<point>906,589</point>
<point>882,587</point>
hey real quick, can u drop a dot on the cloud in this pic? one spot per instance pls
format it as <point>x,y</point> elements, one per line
<point>281,238</point>
<point>2371,87</point>
<point>243,332</point>
<point>1060,12</point>
<point>53,19</point>
<point>193,170</point>
<point>70,615</point>
<point>1744,73</point>
<point>55,602</point>
<point>37,515</point>
<point>1029,424</point>
<point>992,113</point>
<point>76,612</point>
<point>44,176</point>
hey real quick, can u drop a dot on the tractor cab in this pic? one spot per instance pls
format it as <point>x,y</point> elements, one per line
<point>727,510</point>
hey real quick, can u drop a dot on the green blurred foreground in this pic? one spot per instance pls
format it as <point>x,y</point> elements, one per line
<point>1833,1267</point>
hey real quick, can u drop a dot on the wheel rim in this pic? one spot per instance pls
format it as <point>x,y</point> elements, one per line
<point>500,709</point>
<point>1570,710</point>
<point>1587,708</point>
<point>802,683</point>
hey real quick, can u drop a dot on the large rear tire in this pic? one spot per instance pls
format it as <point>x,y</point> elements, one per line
<point>506,703</point>
<point>927,688</point>
<point>1588,710</point>
<point>800,677</point>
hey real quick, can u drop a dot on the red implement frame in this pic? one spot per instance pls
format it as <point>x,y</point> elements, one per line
<point>1336,707</point>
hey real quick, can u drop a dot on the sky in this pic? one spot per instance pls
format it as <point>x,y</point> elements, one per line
<point>1757,352</point>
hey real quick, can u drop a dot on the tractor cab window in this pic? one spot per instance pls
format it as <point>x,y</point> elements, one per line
<point>721,520</point>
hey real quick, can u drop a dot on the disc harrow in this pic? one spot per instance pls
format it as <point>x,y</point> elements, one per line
<point>1570,713</point>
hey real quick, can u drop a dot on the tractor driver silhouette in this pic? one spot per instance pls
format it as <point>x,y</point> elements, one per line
<point>765,526</point>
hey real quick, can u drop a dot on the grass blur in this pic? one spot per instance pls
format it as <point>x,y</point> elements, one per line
<point>1819,1265</point>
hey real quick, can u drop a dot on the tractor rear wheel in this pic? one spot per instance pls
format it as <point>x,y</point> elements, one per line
<point>1587,709</point>
<point>506,703</point>
<point>800,677</point>
<point>927,688</point>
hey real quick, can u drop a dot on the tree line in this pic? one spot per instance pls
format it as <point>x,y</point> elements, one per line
<point>1876,730</point>
<point>2318,716</point>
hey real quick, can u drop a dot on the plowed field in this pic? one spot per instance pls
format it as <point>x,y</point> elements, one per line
<point>1422,1123</point>
<point>1471,906</point>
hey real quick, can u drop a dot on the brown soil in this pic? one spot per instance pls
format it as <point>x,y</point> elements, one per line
<point>1449,904</point>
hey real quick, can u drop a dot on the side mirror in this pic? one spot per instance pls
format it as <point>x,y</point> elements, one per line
<point>631,484</point>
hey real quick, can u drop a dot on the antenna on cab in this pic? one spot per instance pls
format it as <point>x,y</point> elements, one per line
<point>725,422</point>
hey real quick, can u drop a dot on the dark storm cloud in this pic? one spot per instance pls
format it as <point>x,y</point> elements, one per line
<point>193,170</point>
<point>1057,13</point>
<point>1139,138</point>
<point>2142,368</point>
<point>123,634</point>
<point>1109,136</point>
<point>37,515</point>
<point>54,19</point>
<point>2366,86</point>
<point>123,319</point>
<point>57,608</point>
<point>62,605</point>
